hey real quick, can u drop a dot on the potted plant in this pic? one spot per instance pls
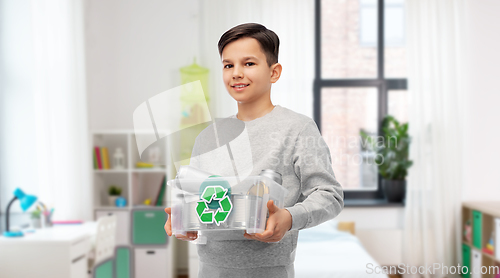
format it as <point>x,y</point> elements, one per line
<point>114,192</point>
<point>36,220</point>
<point>392,150</point>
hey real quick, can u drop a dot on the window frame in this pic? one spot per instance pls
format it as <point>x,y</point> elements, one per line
<point>383,85</point>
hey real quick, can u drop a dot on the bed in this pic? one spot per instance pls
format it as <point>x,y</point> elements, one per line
<point>331,250</point>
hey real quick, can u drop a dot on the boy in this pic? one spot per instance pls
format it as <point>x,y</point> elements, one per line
<point>282,140</point>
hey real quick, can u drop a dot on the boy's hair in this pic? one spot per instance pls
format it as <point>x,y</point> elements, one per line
<point>267,39</point>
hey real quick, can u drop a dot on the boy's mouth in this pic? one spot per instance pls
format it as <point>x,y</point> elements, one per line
<point>239,87</point>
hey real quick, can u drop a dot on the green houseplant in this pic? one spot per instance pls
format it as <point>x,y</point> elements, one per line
<point>36,219</point>
<point>392,149</point>
<point>114,192</point>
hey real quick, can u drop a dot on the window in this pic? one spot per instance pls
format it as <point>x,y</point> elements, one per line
<point>360,76</point>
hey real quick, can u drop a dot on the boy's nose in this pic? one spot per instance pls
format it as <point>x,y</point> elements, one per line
<point>237,73</point>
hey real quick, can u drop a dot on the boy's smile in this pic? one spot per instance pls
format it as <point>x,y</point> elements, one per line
<point>246,74</point>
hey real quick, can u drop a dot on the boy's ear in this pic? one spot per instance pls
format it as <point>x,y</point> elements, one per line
<point>275,72</point>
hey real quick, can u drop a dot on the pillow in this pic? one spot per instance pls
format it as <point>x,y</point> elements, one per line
<point>324,232</point>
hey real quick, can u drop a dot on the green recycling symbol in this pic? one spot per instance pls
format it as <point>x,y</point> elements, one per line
<point>214,193</point>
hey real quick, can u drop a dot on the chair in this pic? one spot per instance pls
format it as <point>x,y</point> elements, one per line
<point>123,262</point>
<point>103,263</point>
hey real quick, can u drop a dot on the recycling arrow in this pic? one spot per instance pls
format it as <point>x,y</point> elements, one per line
<point>214,193</point>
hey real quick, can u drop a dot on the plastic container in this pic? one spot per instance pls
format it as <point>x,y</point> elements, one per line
<point>223,203</point>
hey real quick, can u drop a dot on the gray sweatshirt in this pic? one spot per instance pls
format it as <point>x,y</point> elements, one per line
<point>290,144</point>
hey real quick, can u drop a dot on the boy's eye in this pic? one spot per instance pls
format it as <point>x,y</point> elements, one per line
<point>250,64</point>
<point>228,66</point>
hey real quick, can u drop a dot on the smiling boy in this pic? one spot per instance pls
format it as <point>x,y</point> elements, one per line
<point>248,75</point>
<point>282,140</point>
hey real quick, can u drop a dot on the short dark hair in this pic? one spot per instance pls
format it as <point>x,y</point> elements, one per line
<point>267,39</point>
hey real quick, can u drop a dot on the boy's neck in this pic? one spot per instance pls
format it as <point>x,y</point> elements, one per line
<point>251,111</point>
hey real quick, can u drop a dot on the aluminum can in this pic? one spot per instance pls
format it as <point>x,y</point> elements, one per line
<point>191,221</point>
<point>275,176</point>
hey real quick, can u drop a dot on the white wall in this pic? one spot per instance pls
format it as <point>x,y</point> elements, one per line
<point>482,139</point>
<point>134,51</point>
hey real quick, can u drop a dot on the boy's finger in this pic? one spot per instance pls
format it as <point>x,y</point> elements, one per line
<point>249,236</point>
<point>185,238</point>
<point>272,207</point>
<point>168,224</point>
<point>269,232</point>
<point>192,235</point>
<point>168,227</point>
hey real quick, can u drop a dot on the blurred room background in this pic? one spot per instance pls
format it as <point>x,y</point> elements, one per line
<point>73,72</point>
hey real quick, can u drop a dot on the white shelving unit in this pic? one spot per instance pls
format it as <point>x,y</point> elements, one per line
<point>137,185</point>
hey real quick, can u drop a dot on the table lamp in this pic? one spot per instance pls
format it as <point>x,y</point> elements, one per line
<point>26,202</point>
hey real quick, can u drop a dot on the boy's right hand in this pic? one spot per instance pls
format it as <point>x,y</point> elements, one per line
<point>168,228</point>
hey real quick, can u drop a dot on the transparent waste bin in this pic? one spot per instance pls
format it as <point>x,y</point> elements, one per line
<point>223,203</point>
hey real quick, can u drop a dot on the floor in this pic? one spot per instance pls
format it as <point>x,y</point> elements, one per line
<point>390,276</point>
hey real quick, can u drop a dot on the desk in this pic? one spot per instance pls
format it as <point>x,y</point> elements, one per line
<point>57,252</point>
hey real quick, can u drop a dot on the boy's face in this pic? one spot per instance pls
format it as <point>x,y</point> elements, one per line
<point>246,74</point>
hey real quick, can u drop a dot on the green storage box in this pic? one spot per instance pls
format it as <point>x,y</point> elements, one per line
<point>123,262</point>
<point>104,269</point>
<point>148,227</point>
<point>477,232</point>
<point>466,258</point>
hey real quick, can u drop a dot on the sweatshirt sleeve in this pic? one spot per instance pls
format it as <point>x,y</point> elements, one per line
<point>323,197</point>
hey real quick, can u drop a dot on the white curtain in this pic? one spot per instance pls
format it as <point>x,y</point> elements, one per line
<point>291,20</point>
<point>55,128</point>
<point>62,135</point>
<point>435,47</point>
<point>17,151</point>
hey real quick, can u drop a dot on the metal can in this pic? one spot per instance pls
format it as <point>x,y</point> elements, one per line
<point>191,221</point>
<point>239,215</point>
<point>275,176</point>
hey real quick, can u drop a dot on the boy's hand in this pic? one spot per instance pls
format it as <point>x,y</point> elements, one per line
<point>168,228</point>
<point>279,222</point>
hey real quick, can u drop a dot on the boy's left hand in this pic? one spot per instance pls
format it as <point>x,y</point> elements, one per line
<point>279,222</point>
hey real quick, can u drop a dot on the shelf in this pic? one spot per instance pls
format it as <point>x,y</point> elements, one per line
<point>127,208</point>
<point>490,256</point>
<point>145,170</point>
<point>481,251</point>
<point>489,207</point>
<point>482,217</point>
<point>137,184</point>
<point>110,171</point>
<point>148,170</point>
